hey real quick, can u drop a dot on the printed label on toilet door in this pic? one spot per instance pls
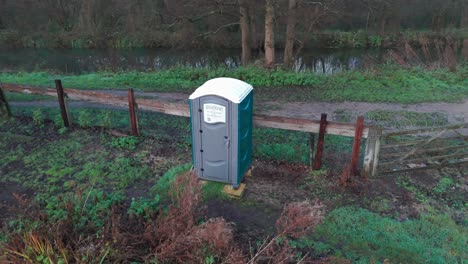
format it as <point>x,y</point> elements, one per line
<point>214,113</point>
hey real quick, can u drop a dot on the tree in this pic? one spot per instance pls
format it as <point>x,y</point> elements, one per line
<point>61,12</point>
<point>464,17</point>
<point>465,48</point>
<point>269,33</point>
<point>255,43</point>
<point>87,22</point>
<point>290,33</point>
<point>245,33</point>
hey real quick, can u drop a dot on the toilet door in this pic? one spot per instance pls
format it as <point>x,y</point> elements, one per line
<point>215,138</point>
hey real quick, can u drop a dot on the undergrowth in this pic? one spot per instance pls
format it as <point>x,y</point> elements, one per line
<point>271,144</point>
<point>86,227</point>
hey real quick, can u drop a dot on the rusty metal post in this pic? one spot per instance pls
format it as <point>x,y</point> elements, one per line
<point>4,107</point>
<point>61,100</point>
<point>357,145</point>
<point>321,139</point>
<point>311,148</point>
<point>133,116</point>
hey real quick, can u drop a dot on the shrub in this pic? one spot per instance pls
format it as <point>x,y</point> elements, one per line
<point>84,118</point>
<point>38,117</point>
<point>296,220</point>
<point>129,142</point>
<point>175,237</point>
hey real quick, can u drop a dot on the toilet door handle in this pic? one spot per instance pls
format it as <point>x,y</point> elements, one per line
<point>227,142</point>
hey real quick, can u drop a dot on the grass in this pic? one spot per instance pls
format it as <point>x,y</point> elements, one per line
<point>82,175</point>
<point>101,167</point>
<point>75,160</point>
<point>445,191</point>
<point>271,144</point>
<point>401,119</point>
<point>365,237</point>
<point>13,97</point>
<point>386,83</point>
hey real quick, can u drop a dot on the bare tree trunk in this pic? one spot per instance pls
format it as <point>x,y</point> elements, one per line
<point>87,16</point>
<point>290,33</point>
<point>253,27</point>
<point>438,20</point>
<point>269,34</point>
<point>464,17</point>
<point>382,25</point>
<point>394,19</point>
<point>131,17</point>
<point>244,26</point>
<point>465,48</point>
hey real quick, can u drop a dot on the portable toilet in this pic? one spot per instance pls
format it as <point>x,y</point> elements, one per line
<point>221,120</point>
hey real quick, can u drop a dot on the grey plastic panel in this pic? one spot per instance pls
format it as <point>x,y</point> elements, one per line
<point>215,138</point>
<point>196,136</point>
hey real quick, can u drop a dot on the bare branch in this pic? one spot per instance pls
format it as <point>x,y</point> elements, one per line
<point>217,30</point>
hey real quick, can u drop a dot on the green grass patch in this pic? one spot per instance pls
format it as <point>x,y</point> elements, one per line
<point>156,124</point>
<point>213,190</point>
<point>387,83</point>
<point>443,185</point>
<point>17,97</point>
<point>277,144</point>
<point>83,164</point>
<point>401,119</point>
<point>363,236</point>
<point>77,159</point>
<point>164,183</point>
<point>272,144</point>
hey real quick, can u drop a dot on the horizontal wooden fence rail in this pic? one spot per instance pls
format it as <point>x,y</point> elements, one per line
<point>178,109</point>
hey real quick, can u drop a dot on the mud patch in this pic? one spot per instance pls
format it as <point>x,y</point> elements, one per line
<point>276,184</point>
<point>8,200</point>
<point>253,224</point>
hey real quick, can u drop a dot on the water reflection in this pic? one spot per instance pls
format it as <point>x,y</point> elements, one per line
<point>81,61</point>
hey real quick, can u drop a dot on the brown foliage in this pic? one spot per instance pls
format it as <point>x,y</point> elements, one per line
<point>439,52</point>
<point>171,237</point>
<point>175,237</point>
<point>346,176</point>
<point>296,220</point>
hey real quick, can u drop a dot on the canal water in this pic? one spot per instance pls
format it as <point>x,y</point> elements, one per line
<point>78,61</point>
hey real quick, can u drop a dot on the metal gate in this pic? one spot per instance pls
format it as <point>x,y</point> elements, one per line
<point>421,149</point>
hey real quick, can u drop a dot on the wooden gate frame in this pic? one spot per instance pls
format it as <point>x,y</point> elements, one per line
<point>419,148</point>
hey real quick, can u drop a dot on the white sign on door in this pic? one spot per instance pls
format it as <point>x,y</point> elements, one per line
<point>214,113</point>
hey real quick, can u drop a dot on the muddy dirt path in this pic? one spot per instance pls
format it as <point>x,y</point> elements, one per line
<point>455,112</point>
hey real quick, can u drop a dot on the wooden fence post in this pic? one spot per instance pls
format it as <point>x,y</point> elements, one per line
<point>132,106</point>
<point>321,139</point>
<point>4,107</point>
<point>63,106</point>
<point>377,152</point>
<point>371,155</point>
<point>357,145</point>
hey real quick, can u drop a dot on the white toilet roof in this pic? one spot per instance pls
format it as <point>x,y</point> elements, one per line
<point>232,89</point>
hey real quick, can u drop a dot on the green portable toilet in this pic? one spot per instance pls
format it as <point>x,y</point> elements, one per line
<point>221,120</point>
